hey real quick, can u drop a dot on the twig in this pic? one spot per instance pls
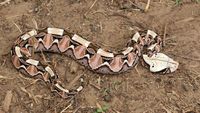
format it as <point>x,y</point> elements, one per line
<point>112,1</point>
<point>164,35</point>
<point>91,7</point>
<point>101,27</point>
<point>139,8</point>
<point>76,109</point>
<point>4,61</point>
<point>3,77</point>
<point>66,108</point>
<point>35,23</point>
<point>36,80</point>
<point>15,16</point>
<point>97,87</point>
<point>69,101</point>
<point>115,110</point>
<point>137,70</point>
<point>185,20</point>
<point>93,4</point>
<point>18,27</point>
<point>99,82</point>
<point>30,95</point>
<point>74,81</point>
<point>101,12</point>
<point>5,2</point>
<point>147,6</point>
<point>54,63</point>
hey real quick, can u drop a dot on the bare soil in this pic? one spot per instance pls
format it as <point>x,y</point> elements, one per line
<point>109,23</point>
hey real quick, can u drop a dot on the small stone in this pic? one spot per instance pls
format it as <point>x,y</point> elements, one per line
<point>107,98</point>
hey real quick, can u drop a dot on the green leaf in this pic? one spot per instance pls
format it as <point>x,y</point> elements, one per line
<point>178,2</point>
<point>105,108</point>
<point>100,110</point>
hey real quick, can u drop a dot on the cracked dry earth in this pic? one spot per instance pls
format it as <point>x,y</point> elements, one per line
<point>109,23</point>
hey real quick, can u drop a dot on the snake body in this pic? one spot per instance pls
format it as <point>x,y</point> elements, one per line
<point>93,57</point>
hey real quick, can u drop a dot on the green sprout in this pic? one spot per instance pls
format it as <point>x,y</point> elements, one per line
<point>178,2</point>
<point>102,110</point>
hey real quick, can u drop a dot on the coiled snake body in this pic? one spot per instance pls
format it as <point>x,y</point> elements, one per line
<point>86,53</point>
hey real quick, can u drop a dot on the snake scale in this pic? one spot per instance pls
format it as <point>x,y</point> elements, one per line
<point>92,56</point>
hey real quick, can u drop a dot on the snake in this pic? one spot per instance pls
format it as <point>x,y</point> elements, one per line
<point>88,54</point>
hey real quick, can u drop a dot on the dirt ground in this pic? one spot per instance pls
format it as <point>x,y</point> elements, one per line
<point>109,23</point>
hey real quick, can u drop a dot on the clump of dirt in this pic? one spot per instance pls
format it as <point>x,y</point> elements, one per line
<point>109,23</point>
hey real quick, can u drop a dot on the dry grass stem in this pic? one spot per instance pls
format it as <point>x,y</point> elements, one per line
<point>66,108</point>
<point>3,77</point>
<point>164,36</point>
<point>147,6</point>
<point>95,86</point>
<point>91,7</point>
<point>35,23</point>
<point>18,27</point>
<point>74,81</point>
<point>5,2</point>
<point>30,95</point>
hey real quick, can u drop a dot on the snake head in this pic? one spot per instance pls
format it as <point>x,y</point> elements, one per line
<point>161,62</point>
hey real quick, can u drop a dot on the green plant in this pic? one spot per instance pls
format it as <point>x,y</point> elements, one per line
<point>103,109</point>
<point>178,2</point>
